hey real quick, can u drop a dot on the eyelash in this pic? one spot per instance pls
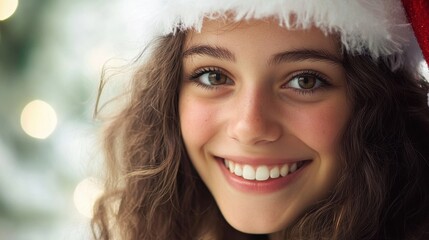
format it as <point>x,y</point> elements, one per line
<point>324,82</point>
<point>199,72</point>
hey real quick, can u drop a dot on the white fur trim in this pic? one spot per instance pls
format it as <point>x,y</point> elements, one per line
<point>377,26</point>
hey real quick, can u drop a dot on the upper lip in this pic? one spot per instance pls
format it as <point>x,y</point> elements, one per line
<point>260,160</point>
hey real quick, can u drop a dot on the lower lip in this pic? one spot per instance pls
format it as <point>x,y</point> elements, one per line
<point>267,186</point>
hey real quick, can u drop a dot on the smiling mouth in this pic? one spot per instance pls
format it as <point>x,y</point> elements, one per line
<point>263,172</point>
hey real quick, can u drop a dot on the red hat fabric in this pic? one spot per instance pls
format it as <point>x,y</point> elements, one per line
<point>418,14</point>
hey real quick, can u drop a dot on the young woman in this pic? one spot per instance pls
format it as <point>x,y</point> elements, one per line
<point>280,120</point>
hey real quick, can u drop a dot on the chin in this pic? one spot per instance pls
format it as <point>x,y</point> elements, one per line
<point>259,223</point>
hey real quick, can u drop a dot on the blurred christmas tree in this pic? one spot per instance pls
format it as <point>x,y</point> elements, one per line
<point>50,52</point>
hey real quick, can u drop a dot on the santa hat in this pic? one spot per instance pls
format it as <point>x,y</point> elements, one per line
<point>382,29</point>
<point>418,15</point>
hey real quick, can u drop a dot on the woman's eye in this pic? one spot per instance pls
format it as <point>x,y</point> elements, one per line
<point>211,78</point>
<point>214,78</point>
<point>306,82</point>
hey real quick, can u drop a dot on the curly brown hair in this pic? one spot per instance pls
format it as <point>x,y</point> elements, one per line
<point>153,191</point>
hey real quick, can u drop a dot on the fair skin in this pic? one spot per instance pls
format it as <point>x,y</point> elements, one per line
<point>271,102</point>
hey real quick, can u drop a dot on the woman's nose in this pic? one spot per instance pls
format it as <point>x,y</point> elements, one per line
<point>254,119</point>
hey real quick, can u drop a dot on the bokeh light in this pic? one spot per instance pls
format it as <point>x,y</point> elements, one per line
<point>86,194</point>
<point>38,119</point>
<point>55,50</point>
<point>7,8</point>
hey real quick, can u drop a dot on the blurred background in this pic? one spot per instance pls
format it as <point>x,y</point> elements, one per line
<point>51,56</point>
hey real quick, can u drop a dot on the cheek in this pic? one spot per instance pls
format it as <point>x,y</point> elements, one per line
<point>321,127</point>
<point>196,121</point>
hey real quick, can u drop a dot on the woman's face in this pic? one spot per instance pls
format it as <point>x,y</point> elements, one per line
<point>261,110</point>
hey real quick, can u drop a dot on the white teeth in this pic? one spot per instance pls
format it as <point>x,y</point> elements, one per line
<point>238,170</point>
<point>293,168</point>
<point>248,172</point>
<point>231,167</point>
<point>284,170</point>
<point>262,173</point>
<point>275,172</point>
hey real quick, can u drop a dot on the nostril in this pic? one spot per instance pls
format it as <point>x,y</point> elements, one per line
<point>249,132</point>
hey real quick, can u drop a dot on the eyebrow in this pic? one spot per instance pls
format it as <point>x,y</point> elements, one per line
<point>304,54</point>
<point>286,56</point>
<point>213,51</point>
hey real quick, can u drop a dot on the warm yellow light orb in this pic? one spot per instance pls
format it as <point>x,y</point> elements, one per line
<point>38,119</point>
<point>7,8</point>
<point>86,194</point>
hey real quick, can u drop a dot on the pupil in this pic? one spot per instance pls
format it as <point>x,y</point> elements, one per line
<point>217,78</point>
<point>307,82</point>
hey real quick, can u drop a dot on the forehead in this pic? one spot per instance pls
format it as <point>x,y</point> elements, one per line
<point>263,35</point>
